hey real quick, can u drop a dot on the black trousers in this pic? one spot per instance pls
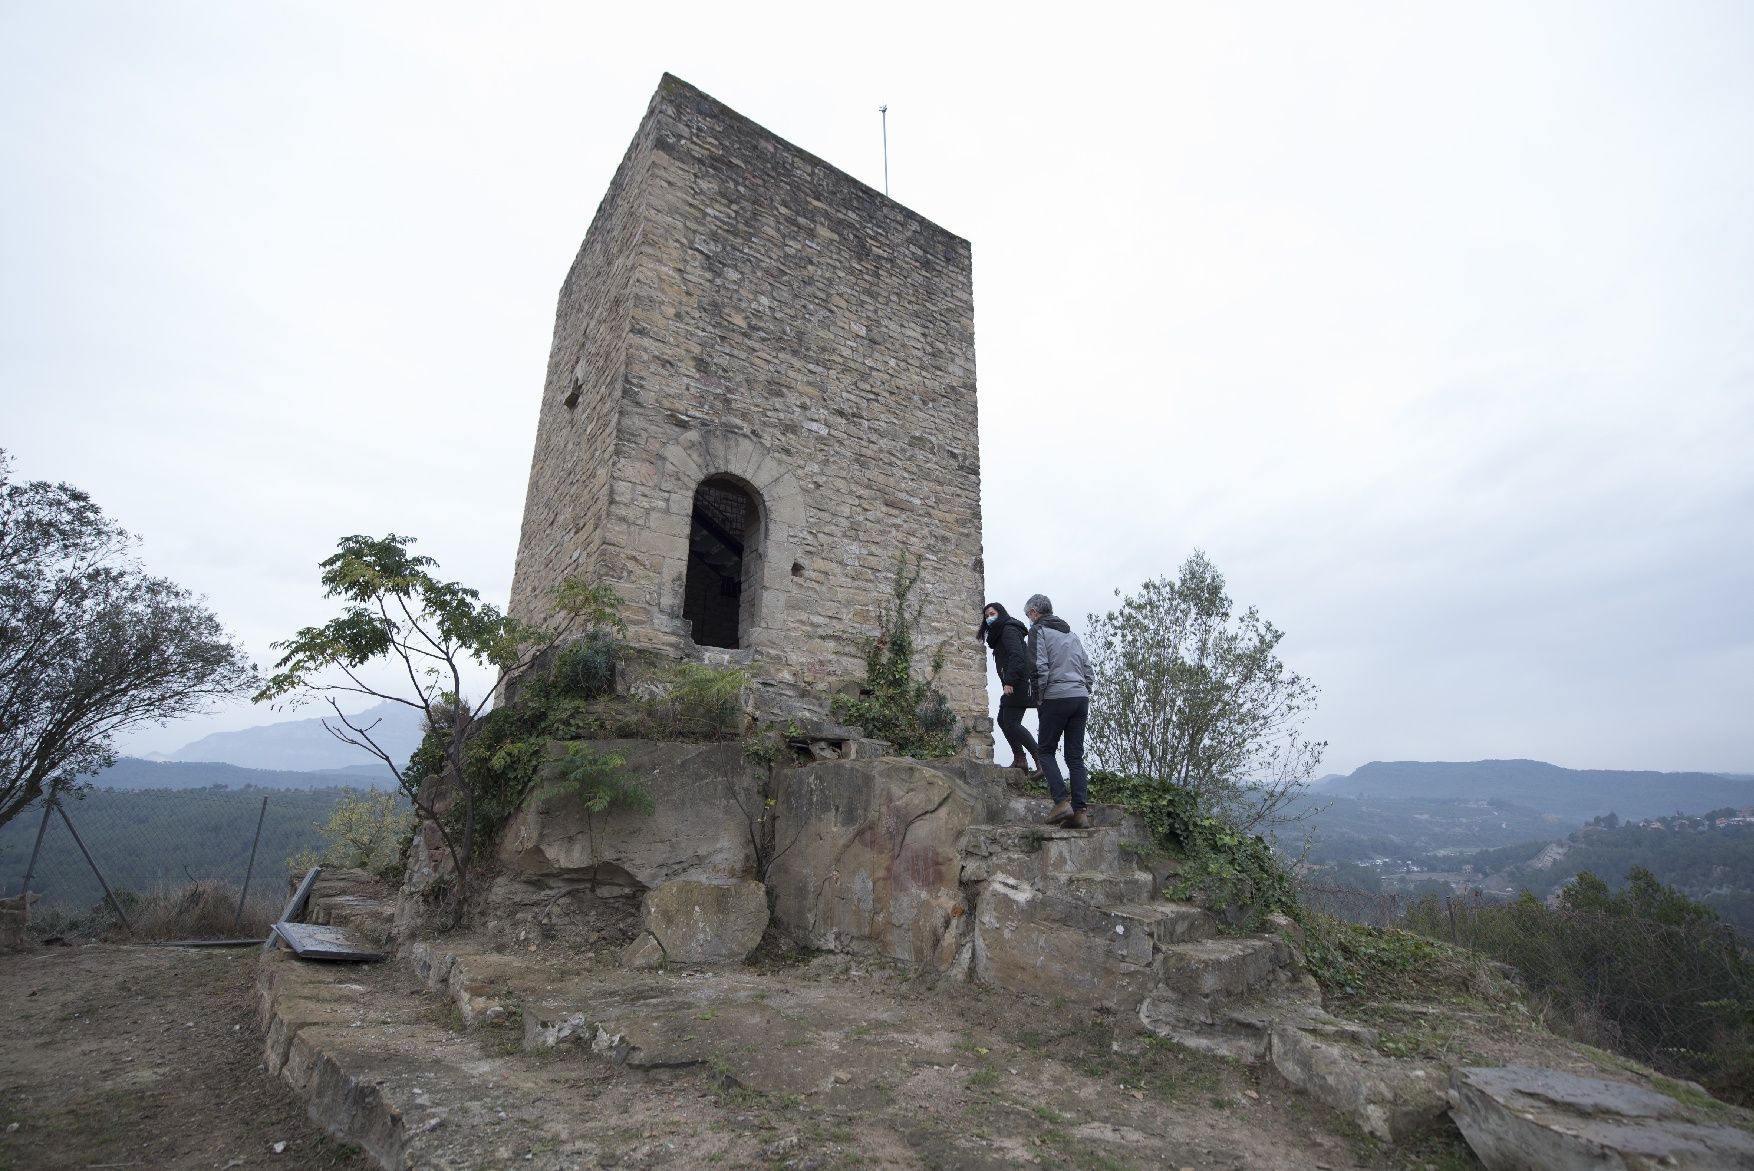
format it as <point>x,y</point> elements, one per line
<point>1016,735</point>
<point>1065,717</point>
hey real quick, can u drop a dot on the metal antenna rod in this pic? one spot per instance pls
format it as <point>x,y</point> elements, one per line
<point>884,110</point>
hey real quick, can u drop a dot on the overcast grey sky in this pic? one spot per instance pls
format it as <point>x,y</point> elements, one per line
<point>1432,324</point>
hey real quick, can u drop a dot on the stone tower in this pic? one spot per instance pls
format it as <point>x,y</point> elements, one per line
<point>761,394</point>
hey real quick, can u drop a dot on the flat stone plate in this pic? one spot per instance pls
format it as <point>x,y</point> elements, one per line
<point>311,941</point>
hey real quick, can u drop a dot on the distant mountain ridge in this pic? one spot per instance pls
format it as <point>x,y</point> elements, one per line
<point>1534,784</point>
<point>306,745</point>
<point>132,773</point>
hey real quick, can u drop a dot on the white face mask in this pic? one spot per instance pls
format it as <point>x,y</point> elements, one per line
<point>992,618</point>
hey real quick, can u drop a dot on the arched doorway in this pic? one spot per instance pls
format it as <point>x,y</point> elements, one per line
<point>724,560</point>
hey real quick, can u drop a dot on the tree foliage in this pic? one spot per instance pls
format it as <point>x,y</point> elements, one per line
<point>394,610</point>
<point>1189,695</point>
<point>1645,970</point>
<point>90,643</point>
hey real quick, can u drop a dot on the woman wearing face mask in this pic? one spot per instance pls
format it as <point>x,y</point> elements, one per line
<point>1006,635</point>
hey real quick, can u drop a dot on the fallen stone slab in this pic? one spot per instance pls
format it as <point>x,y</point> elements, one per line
<point>312,941</point>
<point>1523,1118</point>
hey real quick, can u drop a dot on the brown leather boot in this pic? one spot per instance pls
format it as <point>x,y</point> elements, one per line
<point>1059,813</point>
<point>1079,820</point>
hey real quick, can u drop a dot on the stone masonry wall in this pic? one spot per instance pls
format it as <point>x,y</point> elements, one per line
<point>809,337</point>
<point>567,501</point>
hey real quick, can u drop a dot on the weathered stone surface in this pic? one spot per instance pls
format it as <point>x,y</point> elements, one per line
<point>1521,1118</point>
<point>1028,941</point>
<point>705,922</point>
<point>356,900</point>
<point>1221,995</point>
<point>698,829</point>
<point>1393,1100</point>
<point>866,857</point>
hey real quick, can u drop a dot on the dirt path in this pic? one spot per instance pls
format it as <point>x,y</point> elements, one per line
<point>118,1056</point>
<point>122,1056</point>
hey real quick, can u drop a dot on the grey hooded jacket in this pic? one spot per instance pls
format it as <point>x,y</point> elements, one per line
<point>1062,671</point>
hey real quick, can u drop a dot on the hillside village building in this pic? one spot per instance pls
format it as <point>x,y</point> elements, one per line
<point>761,395</point>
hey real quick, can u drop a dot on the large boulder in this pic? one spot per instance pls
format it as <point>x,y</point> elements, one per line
<point>1521,1118</point>
<point>865,858</point>
<point>700,828</point>
<point>688,922</point>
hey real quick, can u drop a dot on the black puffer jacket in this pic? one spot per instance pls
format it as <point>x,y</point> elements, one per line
<point>1008,638</point>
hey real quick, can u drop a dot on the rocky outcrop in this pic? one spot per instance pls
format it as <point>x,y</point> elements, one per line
<point>687,922</point>
<point>1336,1062</point>
<point>866,859</point>
<point>699,828</point>
<point>1519,1118</point>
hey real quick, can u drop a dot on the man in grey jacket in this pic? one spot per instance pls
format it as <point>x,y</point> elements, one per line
<point>1062,682</point>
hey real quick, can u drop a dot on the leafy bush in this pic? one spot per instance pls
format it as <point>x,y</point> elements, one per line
<point>911,714</point>
<point>1221,864</point>
<point>507,750</point>
<point>368,831</point>
<point>596,779</point>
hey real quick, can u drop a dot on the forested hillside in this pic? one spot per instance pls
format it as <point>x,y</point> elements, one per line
<point>133,773</point>
<point>163,839</point>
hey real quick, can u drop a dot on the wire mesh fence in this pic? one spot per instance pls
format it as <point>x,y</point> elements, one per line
<point>176,861</point>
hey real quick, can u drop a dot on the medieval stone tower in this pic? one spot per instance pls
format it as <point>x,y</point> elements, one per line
<point>761,394</point>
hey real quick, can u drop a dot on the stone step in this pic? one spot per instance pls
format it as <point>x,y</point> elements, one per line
<point>1103,954</point>
<point>1034,811</point>
<point>379,1072</point>
<point>1058,851</point>
<point>1220,995</point>
<point>1098,889</point>
<point>1182,923</point>
<point>1224,968</point>
<point>1027,941</point>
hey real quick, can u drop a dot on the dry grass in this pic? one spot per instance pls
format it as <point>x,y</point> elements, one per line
<point>196,910</point>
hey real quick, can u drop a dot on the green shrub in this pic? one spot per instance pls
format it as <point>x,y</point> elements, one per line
<point>1221,864</point>
<point>699,702</point>
<point>585,669</point>
<point>596,779</point>
<point>370,831</point>
<point>911,714</point>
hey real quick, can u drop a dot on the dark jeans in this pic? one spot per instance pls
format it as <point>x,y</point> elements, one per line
<point>1016,735</point>
<point>1065,717</point>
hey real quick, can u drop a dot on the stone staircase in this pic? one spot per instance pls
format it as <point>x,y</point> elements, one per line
<point>1073,914</point>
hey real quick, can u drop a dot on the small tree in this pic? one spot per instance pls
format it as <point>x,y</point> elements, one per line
<point>90,643</point>
<point>1188,695</point>
<point>395,611</point>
